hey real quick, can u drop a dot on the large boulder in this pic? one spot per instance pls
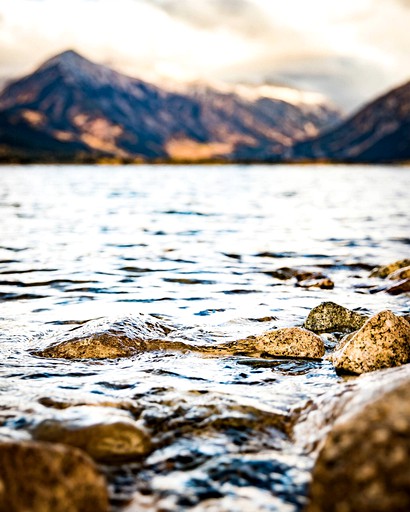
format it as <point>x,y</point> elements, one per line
<point>364,464</point>
<point>385,270</point>
<point>382,342</point>
<point>286,342</point>
<point>42,477</point>
<point>330,317</point>
<point>108,438</point>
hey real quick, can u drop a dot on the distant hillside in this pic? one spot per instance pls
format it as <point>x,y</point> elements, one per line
<point>380,132</point>
<point>71,109</point>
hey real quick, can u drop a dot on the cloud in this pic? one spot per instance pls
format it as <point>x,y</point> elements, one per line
<point>242,16</point>
<point>347,50</point>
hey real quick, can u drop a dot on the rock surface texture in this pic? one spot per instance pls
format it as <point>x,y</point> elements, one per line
<point>41,477</point>
<point>330,317</point>
<point>110,440</point>
<point>286,342</point>
<point>382,342</point>
<point>401,273</point>
<point>386,270</point>
<point>364,464</point>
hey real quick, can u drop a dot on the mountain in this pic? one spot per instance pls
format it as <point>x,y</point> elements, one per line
<point>71,109</point>
<point>380,132</point>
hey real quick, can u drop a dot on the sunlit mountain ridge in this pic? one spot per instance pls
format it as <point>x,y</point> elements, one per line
<point>72,109</point>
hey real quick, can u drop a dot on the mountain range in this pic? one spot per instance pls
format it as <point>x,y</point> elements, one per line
<point>379,132</point>
<point>73,110</point>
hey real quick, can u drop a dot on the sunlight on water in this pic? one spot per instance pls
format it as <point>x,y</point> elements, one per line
<point>195,247</point>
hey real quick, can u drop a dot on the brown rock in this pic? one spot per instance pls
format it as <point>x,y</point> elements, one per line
<point>324,284</point>
<point>330,317</point>
<point>382,342</point>
<point>106,439</point>
<point>41,477</point>
<point>385,270</point>
<point>364,464</point>
<point>111,340</point>
<point>401,273</point>
<point>286,342</point>
<point>399,288</point>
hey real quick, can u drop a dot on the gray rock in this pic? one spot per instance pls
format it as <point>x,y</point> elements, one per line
<point>330,317</point>
<point>286,342</point>
<point>364,464</point>
<point>382,342</point>
<point>42,477</point>
<point>108,438</point>
<point>384,271</point>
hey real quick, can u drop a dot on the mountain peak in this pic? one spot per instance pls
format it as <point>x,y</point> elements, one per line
<point>76,68</point>
<point>66,58</point>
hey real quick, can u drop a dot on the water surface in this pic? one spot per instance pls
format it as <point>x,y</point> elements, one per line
<point>194,247</point>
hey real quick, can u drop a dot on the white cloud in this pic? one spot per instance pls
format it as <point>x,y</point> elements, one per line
<point>336,47</point>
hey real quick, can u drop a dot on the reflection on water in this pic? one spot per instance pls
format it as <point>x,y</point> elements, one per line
<point>196,248</point>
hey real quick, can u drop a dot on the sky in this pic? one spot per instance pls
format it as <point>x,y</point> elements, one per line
<point>349,50</point>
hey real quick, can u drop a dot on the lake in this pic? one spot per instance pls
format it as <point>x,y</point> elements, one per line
<point>193,246</point>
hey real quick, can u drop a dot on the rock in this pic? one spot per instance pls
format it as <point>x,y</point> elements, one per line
<point>330,317</point>
<point>108,438</point>
<point>384,271</point>
<point>324,284</point>
<point>364,464</point>
<point>401,273</point>
<point>283,273</point>
<point>399,288</point>
<point>382,342</point>
<point>286,342</point>
<point>304,275</point>
<point>111,340</point>
<point>41,477</point>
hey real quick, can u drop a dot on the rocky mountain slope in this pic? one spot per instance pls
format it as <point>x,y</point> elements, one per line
<point>380,132</point>
<point>71,109</point>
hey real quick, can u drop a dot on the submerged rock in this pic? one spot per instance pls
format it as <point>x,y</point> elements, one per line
<point>108,439</point>
<point>42,477</point>
<point>384,271</point>
<point>330,317</point>
<point>382,342</point>
<point>111,340</point>
<point>286,342</point>
<point>364,464</point>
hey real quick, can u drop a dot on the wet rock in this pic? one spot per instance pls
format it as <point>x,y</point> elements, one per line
<point>305,275</point>
<point>399,288</point>
<point>41,477</point>
<point>330,317</point>
<point>385,270</point>
<point>111,340</point>
<point>108,438</point>
<point>283,273</point>
<point>286,342</point>
<point>401,273</point>
<point>364,464</point>
<point>323,284</point>
<point>382,342</point>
